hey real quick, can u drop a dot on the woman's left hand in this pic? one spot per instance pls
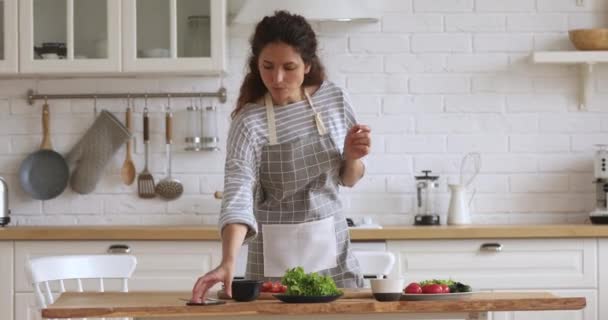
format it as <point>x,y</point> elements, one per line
<point>358,142</point>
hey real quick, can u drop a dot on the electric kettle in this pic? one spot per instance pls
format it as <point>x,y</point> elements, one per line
<point>4,211</point>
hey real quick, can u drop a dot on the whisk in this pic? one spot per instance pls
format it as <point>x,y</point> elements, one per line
<point>470,159</point>
<point>474,159</point>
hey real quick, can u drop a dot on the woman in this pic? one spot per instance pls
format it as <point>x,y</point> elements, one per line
<point>292,140</point>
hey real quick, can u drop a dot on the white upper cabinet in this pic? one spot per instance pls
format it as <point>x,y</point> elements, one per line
<point>181,36</point>
<point>69,36</point>
<point>8,36</point>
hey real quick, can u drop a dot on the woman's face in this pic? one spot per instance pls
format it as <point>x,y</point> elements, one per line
<point>282,70</point>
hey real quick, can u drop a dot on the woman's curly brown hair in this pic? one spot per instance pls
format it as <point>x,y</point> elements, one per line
<point>291,29</point>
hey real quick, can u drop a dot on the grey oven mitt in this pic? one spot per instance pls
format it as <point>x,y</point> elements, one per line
<point>92,153</point>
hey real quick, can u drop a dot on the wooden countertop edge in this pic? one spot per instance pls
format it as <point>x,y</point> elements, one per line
<point>111,233</point>
<point>211,233</point>
<point>346,306</point>
<point>481,232</point>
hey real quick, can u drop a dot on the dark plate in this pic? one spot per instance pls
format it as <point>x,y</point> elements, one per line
<point>443,296</point>
<point>306,299</point>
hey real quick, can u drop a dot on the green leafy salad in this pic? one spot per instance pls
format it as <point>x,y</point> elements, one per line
<point>313,284</point>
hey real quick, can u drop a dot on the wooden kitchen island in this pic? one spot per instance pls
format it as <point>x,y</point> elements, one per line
<point>169,305</point>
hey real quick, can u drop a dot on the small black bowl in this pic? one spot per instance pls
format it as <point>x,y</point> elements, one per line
<point>246,290</point>
<point>391,296</point>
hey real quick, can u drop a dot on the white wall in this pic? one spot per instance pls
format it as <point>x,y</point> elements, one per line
<point>2,29</point>
<point>435,79</point>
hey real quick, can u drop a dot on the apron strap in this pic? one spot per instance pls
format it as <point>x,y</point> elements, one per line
<point>318,121</point>
<point>272,128</point>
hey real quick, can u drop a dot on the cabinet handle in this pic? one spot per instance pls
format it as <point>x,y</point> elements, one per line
<point>491,247</point>
<point>119,249</point>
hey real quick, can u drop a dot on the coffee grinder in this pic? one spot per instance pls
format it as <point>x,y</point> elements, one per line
<point>426,198</point>
<point>600,214</point>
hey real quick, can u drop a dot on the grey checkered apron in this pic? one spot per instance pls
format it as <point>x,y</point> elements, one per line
<point>298,183</point>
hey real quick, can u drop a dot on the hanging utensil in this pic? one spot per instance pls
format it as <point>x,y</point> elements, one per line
<point>145,180</point>
<point>474,159</point>
<point>127,172</point>
<point>44,174</point>
<point>169,188</point>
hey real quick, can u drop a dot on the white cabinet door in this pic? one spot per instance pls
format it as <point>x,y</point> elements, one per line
<point>603,281</point>
<point>520,264</point>
<point>25,307</point>
<point>69,36</point>
<point>588,313</point>
<point>180,36</point>
<point>6,280</point>
<point>161,265</point>
<point>8,37</point>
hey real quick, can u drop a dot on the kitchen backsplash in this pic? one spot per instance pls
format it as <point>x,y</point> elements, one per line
<point>434,79</point>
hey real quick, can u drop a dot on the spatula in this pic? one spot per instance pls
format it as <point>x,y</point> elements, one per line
<point>145,180</point>
<point>127,172</point>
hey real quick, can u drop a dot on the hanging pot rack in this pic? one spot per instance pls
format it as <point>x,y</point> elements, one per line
<point>220,95</point>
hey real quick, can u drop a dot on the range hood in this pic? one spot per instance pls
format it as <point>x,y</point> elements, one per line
<point>253,11</point>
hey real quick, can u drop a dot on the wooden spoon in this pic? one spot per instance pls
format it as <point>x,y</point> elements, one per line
<point>128,168</point>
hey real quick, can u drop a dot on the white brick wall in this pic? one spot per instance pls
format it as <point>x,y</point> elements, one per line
<point>435,79</point>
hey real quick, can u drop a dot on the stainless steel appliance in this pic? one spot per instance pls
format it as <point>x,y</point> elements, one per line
<point>426,198</point>
<point>600,214</point>
<point>4,210</point>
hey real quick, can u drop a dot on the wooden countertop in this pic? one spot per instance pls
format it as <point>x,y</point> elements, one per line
<point>209,232</point>
<point>168,304</point>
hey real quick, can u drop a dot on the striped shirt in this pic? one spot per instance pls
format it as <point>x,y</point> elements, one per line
<point>249,133</point>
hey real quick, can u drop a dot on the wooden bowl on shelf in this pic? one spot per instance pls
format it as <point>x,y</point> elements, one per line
<point>589,39</point>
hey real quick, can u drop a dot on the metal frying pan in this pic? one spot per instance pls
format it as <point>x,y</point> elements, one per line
<point>44,174</point>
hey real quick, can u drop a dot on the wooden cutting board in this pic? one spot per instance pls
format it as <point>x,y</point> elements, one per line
<point>349,293</point>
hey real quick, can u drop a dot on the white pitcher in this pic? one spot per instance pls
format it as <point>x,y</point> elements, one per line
<point>458,212</point>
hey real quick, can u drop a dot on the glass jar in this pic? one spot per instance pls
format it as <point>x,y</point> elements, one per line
<point>209,133</point>
<point>198,36</point>
<point>193,127</point>
<point>427,188</point>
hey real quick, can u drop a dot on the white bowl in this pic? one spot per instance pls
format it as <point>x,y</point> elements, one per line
<point>387,289</point>
<point>155,53</point>
<point>49,56</point>
<point>387,285</point>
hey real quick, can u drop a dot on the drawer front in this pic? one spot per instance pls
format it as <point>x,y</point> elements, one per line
<point>26,307</point>
<point>161,265</point>
<point>521,264</point>
<point>6,280</point>
<point>603,277</point>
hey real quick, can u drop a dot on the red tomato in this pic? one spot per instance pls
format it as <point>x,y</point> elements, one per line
<point>445,288</point>
<point>276,287</point>
<point>283,289</point>
<point>432,288</point>
<point>267,286</point>
<point>413,288</point>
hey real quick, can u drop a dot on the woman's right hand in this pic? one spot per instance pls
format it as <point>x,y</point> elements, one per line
<point>223,273</point>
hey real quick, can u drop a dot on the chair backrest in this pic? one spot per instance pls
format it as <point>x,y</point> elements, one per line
<point>375,263</point>
<point>45,270</point>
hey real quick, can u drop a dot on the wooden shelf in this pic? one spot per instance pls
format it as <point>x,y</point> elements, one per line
<point>586,60</point>
<point>570,57</point>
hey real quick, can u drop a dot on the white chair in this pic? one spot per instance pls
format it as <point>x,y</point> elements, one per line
<point>376,264</point>
<point>45,270</point>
